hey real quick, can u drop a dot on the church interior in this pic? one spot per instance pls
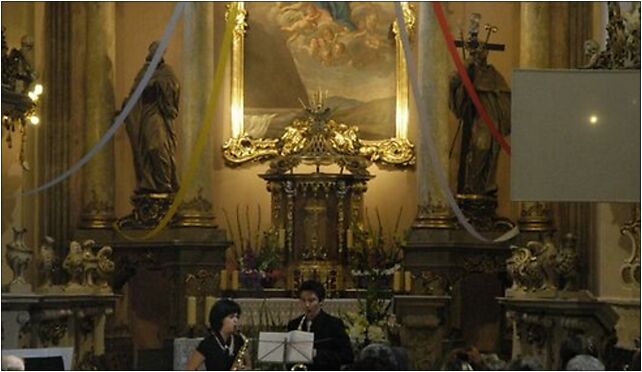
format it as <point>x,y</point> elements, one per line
<point>462,178</point>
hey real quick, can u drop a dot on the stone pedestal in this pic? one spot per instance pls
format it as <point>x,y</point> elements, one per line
<point>424,326</point>
<point>453,263</point>
<point>40,321</point>
<point>541,325</point>
<point>155,277</point>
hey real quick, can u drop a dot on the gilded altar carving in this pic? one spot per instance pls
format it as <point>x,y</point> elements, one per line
<point>623,41</point>
<point>344,140</point>
<point>89,271</point>
<point>316,210</point>
<point>53,325</point>
<point>630,270</point>
<point>533,329</point>
<point>542,266</point>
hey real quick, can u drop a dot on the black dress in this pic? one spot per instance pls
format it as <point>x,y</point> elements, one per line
<point>332,344</point>
<point>217,353</point>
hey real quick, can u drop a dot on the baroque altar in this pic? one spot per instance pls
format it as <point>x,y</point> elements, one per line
<point>316,213</point>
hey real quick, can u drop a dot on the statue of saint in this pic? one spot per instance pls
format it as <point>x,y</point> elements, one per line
<point>150,127</point>
<point>479,149</point>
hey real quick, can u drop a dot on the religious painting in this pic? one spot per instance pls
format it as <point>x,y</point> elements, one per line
<point>286,52</point>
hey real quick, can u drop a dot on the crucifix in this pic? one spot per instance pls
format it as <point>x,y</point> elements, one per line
<point>465,110</point>
<point>315,250</point>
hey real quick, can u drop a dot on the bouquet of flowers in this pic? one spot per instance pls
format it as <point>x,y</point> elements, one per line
<point>373,323</point>
<point>375,257</point>
<point>257,254</point>
<point>261,268</point>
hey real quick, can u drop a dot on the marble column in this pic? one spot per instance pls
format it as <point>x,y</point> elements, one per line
<point>560,37</point>
<point>570,28</point>
<point>98,174</point>
<point>535,36</point>
<point>434,68</point>
<point>54,137</point>
<point>198,73</point>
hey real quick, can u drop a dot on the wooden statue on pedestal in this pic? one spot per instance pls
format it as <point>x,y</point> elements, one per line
<point>150,128</point>
<point>479,151</point>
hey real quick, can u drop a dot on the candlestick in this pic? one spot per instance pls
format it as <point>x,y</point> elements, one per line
<point>223,280</point>
<point>191,311</point>
<point>281,238</point>
<point>408,281</point>
<point>209,303</point>
<point>235,280</point>
<point>396,281</point>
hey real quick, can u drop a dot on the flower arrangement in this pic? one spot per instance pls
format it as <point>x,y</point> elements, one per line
<point>256,253</point>
<point>374,322</point>
<point>262,267</point>
<point>375,257</point>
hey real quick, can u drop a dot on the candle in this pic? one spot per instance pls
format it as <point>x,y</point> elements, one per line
<point>209,303</point>
<point>396,282</point>
<point>349,238</point>
<point>191,311</point>
<point>223,280</point>
<point>408,281</point>
<point>281,238</point>
<point>235,280</point>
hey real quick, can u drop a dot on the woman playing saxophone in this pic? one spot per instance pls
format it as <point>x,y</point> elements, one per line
<point>223,349</point>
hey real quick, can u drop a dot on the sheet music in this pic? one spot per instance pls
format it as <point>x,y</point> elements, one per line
<point>299,347</point>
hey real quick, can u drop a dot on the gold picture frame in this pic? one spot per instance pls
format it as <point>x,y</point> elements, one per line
<point>241,148</point>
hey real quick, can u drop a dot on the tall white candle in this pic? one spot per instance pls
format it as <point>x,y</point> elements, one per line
<point>191,311</point>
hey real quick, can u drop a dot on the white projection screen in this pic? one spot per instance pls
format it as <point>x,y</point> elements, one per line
<point>575,135</point>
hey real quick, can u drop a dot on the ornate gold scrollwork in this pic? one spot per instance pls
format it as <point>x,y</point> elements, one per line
<point>630,270</point>
<point>239,150</point>
<point>342,138</point>
<point>391,151</point>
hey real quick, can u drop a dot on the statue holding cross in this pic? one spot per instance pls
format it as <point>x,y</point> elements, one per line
<point>479,151</point>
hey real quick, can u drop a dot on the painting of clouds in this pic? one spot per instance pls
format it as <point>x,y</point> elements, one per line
<point>293,49</point>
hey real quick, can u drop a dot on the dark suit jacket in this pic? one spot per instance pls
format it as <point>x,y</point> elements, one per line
<point>332,344</point>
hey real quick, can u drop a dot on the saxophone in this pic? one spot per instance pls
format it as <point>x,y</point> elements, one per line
<point>300,366</point>
<point>239,362</point>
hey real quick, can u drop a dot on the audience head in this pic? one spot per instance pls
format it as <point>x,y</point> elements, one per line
<point>457,360</point>
<point>468,359</point>
<point>584,362</point>
<point>401,357</point>
<point>491,362</point>
<point>635,362</point>
<point>571,346</point>
<point>12,363</point>
<point>525,363</point>
<point>376,357</point>
<point>224,315</point>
